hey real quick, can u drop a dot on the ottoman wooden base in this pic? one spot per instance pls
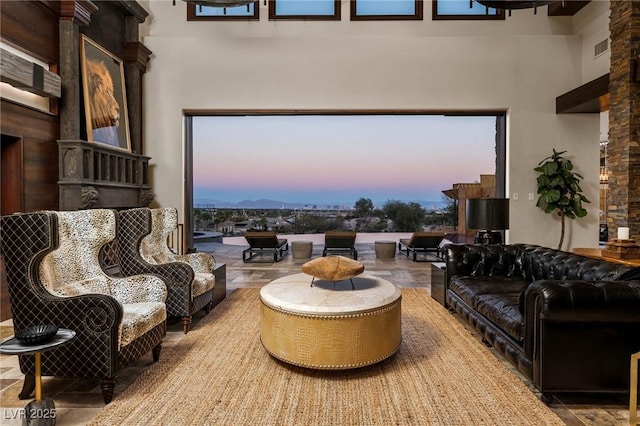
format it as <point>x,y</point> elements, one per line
<point>337,337</point>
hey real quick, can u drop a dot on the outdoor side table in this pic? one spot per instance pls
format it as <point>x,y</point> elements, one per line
<point>41,411</point>
<point>385,249</point>
<point>301,249</point>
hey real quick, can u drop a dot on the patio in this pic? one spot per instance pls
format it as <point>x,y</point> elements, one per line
<point>400,270</point>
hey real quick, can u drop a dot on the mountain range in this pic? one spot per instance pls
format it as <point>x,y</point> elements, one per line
<point>265,203</point>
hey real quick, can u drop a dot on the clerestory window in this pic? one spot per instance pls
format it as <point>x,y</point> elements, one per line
<point>464,10</point>
<point>369,10</point>
<point>308,10</point>
<point>208,13</point>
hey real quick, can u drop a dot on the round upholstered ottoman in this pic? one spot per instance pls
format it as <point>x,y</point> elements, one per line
<point>385,249</point>
<point>301,249</point>
<point>332,329</point>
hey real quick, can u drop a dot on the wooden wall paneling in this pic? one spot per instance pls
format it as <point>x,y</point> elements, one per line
<point>31,27</point>
<point>20,120</point>
<point>38,132</point>
<point>38,34</point>
<point>40,175</point>
<point>11,175</point>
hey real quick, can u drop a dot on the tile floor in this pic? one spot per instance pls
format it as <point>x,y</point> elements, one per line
<point>77,401</point>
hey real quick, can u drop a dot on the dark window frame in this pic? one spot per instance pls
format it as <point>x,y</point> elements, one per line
<point>191,14</point>
<point>337,14</point>
<point>188,114</point>
<point>417,16</point>
<point>499,16</point>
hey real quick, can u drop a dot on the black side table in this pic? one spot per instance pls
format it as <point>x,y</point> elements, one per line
<point>438,271</point>
<point>41,411</point>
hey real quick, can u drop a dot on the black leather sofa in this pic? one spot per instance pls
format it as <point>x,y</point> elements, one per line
<point>567,322</point>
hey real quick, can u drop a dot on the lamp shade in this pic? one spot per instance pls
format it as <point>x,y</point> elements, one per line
<point>487,213</point>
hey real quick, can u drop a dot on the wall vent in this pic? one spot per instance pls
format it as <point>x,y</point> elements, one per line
<point>600,48</point>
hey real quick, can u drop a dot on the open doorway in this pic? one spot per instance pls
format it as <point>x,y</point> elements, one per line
<point>329,160</point>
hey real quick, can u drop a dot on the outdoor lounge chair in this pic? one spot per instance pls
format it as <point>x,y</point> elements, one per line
<point>422,242</point>
<point>264,242</point>
<point>336,242</point>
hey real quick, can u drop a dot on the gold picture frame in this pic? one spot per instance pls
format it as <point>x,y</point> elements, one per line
<point>105,100</point>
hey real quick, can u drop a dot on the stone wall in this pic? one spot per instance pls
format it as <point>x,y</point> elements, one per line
<point>624,119</point>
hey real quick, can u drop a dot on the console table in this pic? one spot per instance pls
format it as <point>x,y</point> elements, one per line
<point>597,254</point>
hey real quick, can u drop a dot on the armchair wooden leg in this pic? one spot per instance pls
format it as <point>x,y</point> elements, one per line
<point>186,322</point>
<point>108,384</point>
<point>28,386</point>
<point>156,352</point>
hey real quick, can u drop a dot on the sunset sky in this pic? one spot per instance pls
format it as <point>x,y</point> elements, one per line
<point>338,159</point>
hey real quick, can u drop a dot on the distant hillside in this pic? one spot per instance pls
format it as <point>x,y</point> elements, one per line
<point>275,204</point>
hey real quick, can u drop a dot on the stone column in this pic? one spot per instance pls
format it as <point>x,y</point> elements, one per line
<point>624,119</point>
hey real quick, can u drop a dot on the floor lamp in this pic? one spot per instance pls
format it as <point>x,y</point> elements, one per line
<point>489,216</point>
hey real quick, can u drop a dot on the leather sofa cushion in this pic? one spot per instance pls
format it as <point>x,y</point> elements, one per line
<point>496,298</point>
<point>502,310</point>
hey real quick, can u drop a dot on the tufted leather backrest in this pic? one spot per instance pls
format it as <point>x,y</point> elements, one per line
<point>484,260</point>
<point>542,263</point>
<point>528,262</point>
<point>74,268</point>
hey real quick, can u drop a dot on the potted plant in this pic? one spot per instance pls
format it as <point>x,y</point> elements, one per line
<point>559,189</point>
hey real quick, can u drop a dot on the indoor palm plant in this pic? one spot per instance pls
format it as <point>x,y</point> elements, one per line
<point>559,189</point>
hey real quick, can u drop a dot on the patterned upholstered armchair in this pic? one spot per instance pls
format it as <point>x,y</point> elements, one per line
<point>142,248</point>
<point>54,277</point>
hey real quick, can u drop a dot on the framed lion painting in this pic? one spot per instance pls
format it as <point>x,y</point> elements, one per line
<point>105,102</point>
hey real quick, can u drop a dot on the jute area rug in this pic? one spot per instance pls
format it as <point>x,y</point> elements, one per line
<point>219,374</point>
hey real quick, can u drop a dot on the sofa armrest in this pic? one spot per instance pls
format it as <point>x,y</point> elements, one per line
<point>579,300</point>
<point>138,289</point>
<point>174,274</point>
<point>92,313</point>
<point>579,334</point>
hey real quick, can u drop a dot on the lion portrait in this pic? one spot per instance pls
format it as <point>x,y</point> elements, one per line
<point>105,111</point>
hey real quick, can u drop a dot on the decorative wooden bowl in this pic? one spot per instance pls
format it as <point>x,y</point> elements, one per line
<point>37,334</point>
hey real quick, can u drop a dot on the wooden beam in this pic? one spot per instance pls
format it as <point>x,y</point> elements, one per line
<point>566,7</point>
<point>586,98</point>
<point>26,75</point>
